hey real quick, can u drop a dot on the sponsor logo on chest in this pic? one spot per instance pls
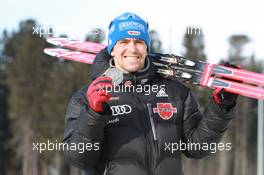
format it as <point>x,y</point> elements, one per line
<point>121,109</point>
<point>165,110</point>
<point>161,93</point>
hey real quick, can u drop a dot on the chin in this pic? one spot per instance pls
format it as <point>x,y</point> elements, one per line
<point>133,68</point>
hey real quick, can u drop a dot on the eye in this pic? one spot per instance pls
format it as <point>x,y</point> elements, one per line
<point>123,41</point>
<point>140,42</point>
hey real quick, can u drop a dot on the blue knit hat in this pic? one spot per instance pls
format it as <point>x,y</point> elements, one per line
<point>128,25</point>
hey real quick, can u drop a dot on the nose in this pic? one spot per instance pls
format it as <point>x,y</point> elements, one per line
<point>132,46</point>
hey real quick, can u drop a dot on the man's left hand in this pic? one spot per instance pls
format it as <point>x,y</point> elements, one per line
<point>224,99</point>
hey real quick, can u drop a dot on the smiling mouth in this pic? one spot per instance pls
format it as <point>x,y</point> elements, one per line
<point>133,56</point>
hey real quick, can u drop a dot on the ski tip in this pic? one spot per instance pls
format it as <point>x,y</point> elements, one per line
<point>49,51</point>
<point>56,41</point>
<point>53,51</point>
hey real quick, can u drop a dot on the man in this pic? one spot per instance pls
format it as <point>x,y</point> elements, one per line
<point>129,131</point>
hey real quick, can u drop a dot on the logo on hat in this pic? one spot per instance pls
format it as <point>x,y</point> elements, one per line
<point>165,110</point>
<point>127,25</point>
<point>135,33</point>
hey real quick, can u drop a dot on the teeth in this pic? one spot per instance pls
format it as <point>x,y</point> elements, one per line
<point>132,56</point>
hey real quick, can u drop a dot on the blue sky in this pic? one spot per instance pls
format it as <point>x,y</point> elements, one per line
<point>218,19</point>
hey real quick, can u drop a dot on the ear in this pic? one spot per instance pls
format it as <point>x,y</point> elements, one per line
<point>112,54</point>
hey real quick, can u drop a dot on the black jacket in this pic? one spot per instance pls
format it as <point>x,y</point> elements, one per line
<point>142,132</point>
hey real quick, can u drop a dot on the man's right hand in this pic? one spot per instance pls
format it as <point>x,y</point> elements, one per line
<point>97,93</point>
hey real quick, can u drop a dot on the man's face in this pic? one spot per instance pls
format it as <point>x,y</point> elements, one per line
<point>129,54</point>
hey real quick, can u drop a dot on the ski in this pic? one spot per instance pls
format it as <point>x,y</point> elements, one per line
<point>176,61</point>
<point>205,74</point>
<point>77,56</point>
<point>84,46</point>
<point>214,82</point>
<point>208,69</point>
<point>234,80</point>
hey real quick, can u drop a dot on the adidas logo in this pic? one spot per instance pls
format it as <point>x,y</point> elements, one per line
<point>161,93</point>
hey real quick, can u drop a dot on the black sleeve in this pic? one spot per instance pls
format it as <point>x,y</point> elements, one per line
<point>84,128</point>
<point>100,64</point>
<point>201,128</point>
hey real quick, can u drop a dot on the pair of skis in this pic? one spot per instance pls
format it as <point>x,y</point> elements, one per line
<point>234,80</point>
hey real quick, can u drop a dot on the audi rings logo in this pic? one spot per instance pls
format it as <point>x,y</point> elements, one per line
<point>121,109</point>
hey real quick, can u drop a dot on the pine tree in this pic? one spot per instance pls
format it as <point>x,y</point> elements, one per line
<point>27,75</point>
<point>242,132</point>
<point>194,49</point>
<point>4,123</point>
<point>155,43</point>
<point>40,88</point>
<point>5,134</point>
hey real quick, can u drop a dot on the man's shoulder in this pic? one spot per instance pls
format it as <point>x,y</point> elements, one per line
<point>80,93</point>
<point>170,82</point>
<point>174,87</point>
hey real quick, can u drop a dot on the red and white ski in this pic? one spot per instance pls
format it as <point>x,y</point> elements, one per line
<point>70,55</point>
<point>234,80</point>
<point>84,46</point>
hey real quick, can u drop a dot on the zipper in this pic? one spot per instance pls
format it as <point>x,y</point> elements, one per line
<point>105,170</point>
<point>155,140</point>
<point>149,148</point>
<point>153,128</point>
